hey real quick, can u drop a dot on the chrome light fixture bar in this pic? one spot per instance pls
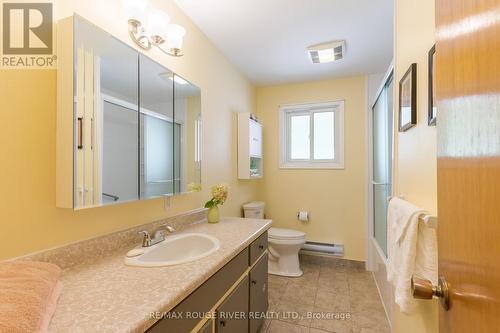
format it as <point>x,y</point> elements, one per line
<point>159,32</point>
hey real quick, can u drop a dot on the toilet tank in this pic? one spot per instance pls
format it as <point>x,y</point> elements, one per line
<point>254,210</point>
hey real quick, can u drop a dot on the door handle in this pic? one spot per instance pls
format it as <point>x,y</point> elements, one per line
<point>423,289</point>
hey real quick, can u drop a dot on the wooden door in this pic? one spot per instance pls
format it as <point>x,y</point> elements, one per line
<point>468,102</point>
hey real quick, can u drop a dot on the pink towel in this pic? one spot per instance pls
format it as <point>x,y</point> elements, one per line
<point>28,295</point>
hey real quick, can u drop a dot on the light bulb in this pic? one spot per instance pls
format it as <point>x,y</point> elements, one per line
<point>157,22</point>
<point>174,36</point>
<point>135,9</point>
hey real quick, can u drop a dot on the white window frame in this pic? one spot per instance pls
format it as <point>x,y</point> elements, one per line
<point>300,109</point>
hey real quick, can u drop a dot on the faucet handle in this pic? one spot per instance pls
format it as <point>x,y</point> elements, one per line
<point>169,228</point>
<point>146,240</point>
<point>166,227</point>
<point>160,235</point>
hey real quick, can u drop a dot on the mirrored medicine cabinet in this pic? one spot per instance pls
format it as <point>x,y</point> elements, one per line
<point>128,128</point>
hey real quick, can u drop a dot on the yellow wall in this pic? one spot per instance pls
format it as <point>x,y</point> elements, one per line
<point>415,162</point>
<point>29,220</point>
<point>334,198</point>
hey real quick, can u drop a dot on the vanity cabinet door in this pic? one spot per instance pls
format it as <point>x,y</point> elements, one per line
<point>204,298</point>
<point>156,129</point>
<point>258,294</point>
<point>255,138</point>
<point>98,127</point>
<point>232,313</point>
<point>187,136</point>
<point>208,327</point>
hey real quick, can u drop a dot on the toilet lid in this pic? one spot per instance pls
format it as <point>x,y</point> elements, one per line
<point>254,204</point>
<point>281,233</point>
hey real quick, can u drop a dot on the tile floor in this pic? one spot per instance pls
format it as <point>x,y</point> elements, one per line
<point>333,295</point>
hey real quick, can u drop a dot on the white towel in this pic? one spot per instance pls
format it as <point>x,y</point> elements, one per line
<point>411,249</point>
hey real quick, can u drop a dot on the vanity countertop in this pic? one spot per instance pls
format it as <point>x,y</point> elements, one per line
<point>108,296</point>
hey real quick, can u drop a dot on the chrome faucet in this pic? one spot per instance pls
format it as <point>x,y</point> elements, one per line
<point>159,235</point>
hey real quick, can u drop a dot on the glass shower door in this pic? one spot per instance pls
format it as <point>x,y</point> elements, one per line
<point>382,162</point>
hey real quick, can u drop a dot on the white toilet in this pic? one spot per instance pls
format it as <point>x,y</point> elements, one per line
<point>284,244</point>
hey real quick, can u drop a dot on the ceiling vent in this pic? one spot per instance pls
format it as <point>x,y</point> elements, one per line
<point>327,52</point>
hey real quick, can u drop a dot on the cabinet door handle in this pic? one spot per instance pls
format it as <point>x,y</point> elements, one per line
<point>254,282</point>
<point>261,247</point>
<point>79,137</point>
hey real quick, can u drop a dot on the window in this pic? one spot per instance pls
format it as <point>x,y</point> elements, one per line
<point>312,136</point>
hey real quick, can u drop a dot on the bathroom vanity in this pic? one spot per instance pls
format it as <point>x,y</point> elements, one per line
<point>103,294</point>
<point>233,300</point>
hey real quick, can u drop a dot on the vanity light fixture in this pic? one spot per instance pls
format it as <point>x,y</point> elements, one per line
<point>158,31</point>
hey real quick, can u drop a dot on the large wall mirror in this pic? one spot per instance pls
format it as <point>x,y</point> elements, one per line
<point>137,125</point>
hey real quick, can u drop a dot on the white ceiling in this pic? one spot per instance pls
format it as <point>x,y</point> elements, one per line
<point>267,39</point>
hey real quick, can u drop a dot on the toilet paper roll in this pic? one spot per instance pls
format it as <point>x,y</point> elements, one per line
<point>303,216</point>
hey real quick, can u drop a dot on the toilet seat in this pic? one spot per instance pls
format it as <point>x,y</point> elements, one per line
<point>285,234</point>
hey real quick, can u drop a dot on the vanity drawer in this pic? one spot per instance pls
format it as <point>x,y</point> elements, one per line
<point>258,247</point>
<point>204,298</point>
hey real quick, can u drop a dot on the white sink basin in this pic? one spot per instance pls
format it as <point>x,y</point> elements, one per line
<point>174,250</point>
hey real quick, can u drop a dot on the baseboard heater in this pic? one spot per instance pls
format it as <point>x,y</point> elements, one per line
<point>323,248</point>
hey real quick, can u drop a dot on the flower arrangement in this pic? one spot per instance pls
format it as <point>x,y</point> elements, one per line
<point>194,187</point>
<point>219,195</point>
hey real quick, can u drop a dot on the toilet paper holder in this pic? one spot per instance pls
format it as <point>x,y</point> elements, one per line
<point>303,216</point>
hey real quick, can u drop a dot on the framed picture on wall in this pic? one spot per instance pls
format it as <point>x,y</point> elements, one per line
<point>431,120</point>
<point>408,99</point>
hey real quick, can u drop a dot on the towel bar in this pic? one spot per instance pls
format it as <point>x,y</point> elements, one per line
<point>389,198</point>
<point>430,220</point>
